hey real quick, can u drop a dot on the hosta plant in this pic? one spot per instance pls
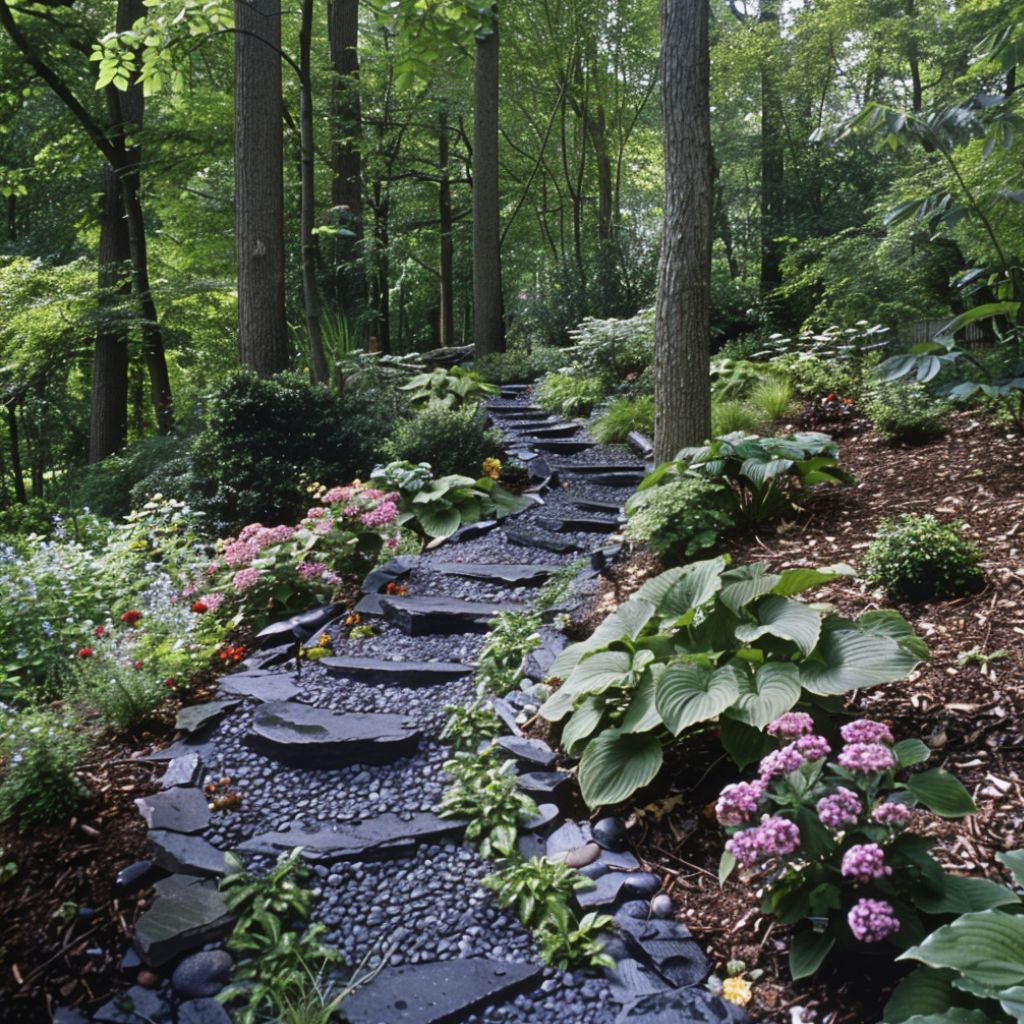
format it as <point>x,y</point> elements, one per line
<point>764,477</point>
<point>536,887</point>
<point>824,833</point>
<point>513,635</point>
<point>711,647</point>
<point>455,387</point>
<point>972,969</point>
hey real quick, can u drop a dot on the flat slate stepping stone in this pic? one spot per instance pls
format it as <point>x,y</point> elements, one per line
<point>502,575</point>
<point>578,524</point>
<point>641,443</point>
<point>616,885</point>
<point>470,531</point>
<point>561,447</point>
<point>546,787</point>
<point>182,771</point>
<point>302,736</point>
<point>595,468</point>
<point>631,979</point>
<point>186,855</point>
<point>542,541</point>
<point>592,505</point>
<point>682,1006</point>
<point>444,616</point>
<point>396,673</point>
<point>179,922</point>
<point>562,430</point>
<point>196,717</point>
<point>202,1011</point>
<point>619,478</point>
<point>383,837</point>
<point>444,992</point>
<point>182,809</point>
<point>532,753</point>
<point>136,1006</point>
<point>265,687</point>
<point>390,572</point>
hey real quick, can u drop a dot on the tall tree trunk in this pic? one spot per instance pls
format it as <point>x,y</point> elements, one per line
<point>446,315</point>
<point>488,327</point>
<point>682,382</point>
<point>127,111</point>
<point>346,158</point>
<point>259,187</point>
<point>17,473</point>
<point>108,423</point>
<point>723,227</point>
<point>772,163</point>
<point>307,218</point>
<point>12,217</point>
<point>382,239</point>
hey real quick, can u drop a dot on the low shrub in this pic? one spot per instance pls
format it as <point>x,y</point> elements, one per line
<point>622,416</point>
<point>613,349</point>
<point>907,414</point>
<point>125,697</point>
<point>731,416</point>
<point>772,397</point>
<point>918,558</point>
<point>450,440</point>
<point>519,365</point>
<point>827,841</point>
<point>570,395</point>
<point>678,519</point>
<point>813,377</point>
<point>453,388</point>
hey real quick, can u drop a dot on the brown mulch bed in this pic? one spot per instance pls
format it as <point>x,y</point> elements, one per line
<point>971,715</point>
<point>65,929</point>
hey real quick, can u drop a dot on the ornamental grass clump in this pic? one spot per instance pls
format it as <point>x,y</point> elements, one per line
<point>919,558</point>
<point>824,831</point>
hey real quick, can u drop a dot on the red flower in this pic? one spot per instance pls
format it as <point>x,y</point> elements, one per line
<point>99,631</point>
<point>131,617</point>
<point>85,652</point>
<point>830,397</point>
<point>199,607</point>
<point>137,665</point>
<point>170,683</point>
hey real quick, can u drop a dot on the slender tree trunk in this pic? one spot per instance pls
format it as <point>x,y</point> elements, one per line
<point>109,405</point>
<point>772,160</point>
<point>382,239</point>
<point>307,218</point>
<point>723,227</point>
<point>16,471</point>
<point>446,314</point>
<point>488,327</point>
<point>682,380</point>
<point>12,217</point>
<point>346,159</point>
<point>259,188</point>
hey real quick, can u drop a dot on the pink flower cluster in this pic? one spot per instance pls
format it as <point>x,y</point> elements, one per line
<point>891,814</point>
<point>245,578</point>
<point>383,515</point>
<point>252,540</point>
<point>791,725</point>
<point>864,730</point>
<point>311,570</point>
<point>872,920</point>
<point>865,758</point>
<point>864,863</point>
<point>774,837</point>
<point>841,808</point>
<point>212,601</point>
<point>738,802</point>
<point>792,756</point>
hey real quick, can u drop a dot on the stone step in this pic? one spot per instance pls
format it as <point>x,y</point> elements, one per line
<point>179,921</point>
<point>515,389</point>
<point>443,992</point>
<point>509,406</point>
<point>592,505</point>
<point>578,524</point>
<point>620,479</point>
<point>525,422</point>
<point>593,468</point>
<point>561,447</point>
<point>265,687</point>
<point>443,616</point>
<point>396,673</point>
<point>498,574</point>
<point>383,837</point>
<point>540,539</point>
<point>302,736</point>
<point>560,430</point>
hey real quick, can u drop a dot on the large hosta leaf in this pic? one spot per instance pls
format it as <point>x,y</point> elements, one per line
<point>687,694</point>
<point>807,952</point>
<point>654,589</point>
<point>746,583</point>
<point>642,714</point>
<point>616,764</point>
<point>888,622</point>
<point>796,581</point>
<point>742,742</point>
<point>1013,860</point>
<point>439,520</point>
<point>766,694</point>
<point>585,719</point>
<point>699,582</point>
<point>849,658</point>
<point>987,947</point>
<point>942,793</point>
<point>591,676</point>
<point>964,895</point>
<point>785,618</point>
<point>923,991</point>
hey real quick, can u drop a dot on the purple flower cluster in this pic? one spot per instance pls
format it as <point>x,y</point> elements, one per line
<point>774,837</point>
<point>386,512</point>
<point>813,748</point>
<point>246,578</point>
<point>866,731</point>
<point>866,757</point>
<point>790,725</point>
<point>864,863</point>
<point>891,814</point>
<point>841,808</point>
<point>872,920</point>
<point>780,762</point>
<point>310,570</point>
<point>737,802</point>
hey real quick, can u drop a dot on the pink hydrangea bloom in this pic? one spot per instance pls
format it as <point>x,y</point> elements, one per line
<point>212,601</point>
<point>864,863</point>
<point>866,757</point>
<point>736,803</point>
<point>891,814</point>
<point>774,837</point>
<point>866,731</point>
<point>386,512</point>
<point>316,513</point>
<point>744,846</point>
<point>246,578</point>
<point>392,542</point>
<point>239,552</point>
<point>336,494</point>
<point>780,762</point>
<point>790,725</point>
<point>310,570</point>
<point>841,808</point>
<point>872,920</point>
<point>324,526</point>
<point>813,748</point>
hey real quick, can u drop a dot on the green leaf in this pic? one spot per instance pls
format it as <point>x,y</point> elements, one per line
<point>585,719</point>
<point>942,793</point>
<point>1013,860</point>
<point>726,865</point>
<point>911,752</point>
<point>746,583</point>
<point>785,618</point>
<point>986,947</point>
<point>848,659</point>
<point>743,743</point>
<point>438,521</point>
<point>699,582</point>
<point>985,311</point>
<point>616,764</point>
<point>642,714</point>
<point>964,896</point>
<point>807,953</point>
<point>600,671</point>
<point>687,694</point>
<point>796,581</point>
<point>923,991</point>
<point>766,694</point>
<point>956,1015</point>
<point>888,622</point>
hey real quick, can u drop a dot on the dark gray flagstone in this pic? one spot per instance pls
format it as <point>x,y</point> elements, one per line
<point>182,771</point>
<point>510,575</point>
<point>189,855</point>
<point>181,809</point>
<point>553,447</point>
<point>682,1006</point>
<point>445,616</point>
<point>543,541</point>
<point>578,524</point>
<point>179,922</point>
<point>197,716</point>
<point>535,754</point>
<point>396,673</point>
<point>262,686</point>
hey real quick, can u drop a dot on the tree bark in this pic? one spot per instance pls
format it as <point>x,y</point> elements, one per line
<point>108,423</point>
<point>259,188</point>
<point>382,239</point>
<point>346,158</point>
<point>446,314</point>
<point>307,216</point>
<point>488,327</point>
<point>682,329</point>
<point>772,161</point>
<point>17,473</point>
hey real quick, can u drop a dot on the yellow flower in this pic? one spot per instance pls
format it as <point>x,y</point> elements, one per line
<point>737,990</point>
<point>492,468</point>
